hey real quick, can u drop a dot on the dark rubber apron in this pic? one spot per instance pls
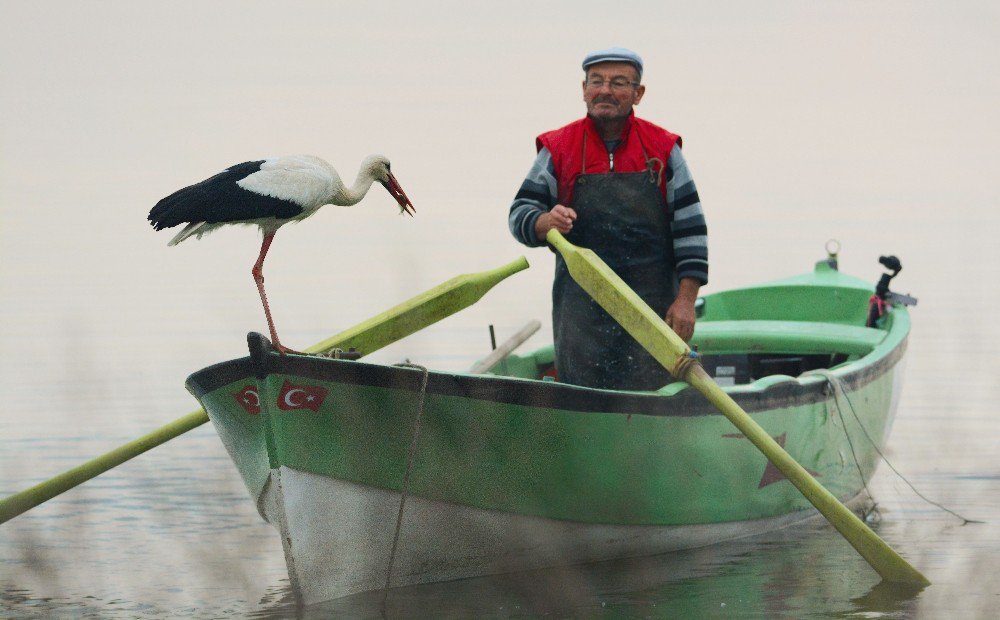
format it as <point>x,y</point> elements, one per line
<point>624,219</point>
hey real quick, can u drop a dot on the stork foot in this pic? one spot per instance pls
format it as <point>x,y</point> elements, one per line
<point>283,350</point>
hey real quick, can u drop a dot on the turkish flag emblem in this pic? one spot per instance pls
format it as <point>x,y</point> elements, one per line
<point>294,396</point>
<point>249,399</point>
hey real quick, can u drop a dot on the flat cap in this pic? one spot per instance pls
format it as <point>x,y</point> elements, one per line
<point>614,54</point>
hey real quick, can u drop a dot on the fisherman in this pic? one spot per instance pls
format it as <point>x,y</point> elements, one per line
<point>618,185</point>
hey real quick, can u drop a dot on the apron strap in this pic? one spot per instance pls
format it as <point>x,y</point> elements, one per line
<point>656,166</point>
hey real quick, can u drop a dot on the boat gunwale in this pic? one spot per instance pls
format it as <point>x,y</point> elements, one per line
<point>768,393</point>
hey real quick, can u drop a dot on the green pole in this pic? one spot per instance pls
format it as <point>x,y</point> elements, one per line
<point>44,491</point>
<point>420,311</point>
<point>638,319</point>
<point>396,323</point>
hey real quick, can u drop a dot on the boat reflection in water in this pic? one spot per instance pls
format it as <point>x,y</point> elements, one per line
<point>779,574</point>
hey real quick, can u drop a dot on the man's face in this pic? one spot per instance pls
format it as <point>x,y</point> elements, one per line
<point>610,90</point>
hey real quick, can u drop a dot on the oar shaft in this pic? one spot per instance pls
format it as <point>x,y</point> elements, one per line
<point>886,562</point>
<point>396,323</point>
<point>639,320</point>
<point>44,491</point>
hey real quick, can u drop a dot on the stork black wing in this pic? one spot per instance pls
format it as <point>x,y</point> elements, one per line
<point>219,199</point>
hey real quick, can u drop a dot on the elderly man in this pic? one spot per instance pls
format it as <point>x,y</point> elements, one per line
<point>618,185</point>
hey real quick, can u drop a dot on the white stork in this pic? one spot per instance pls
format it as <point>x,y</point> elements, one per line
<point>269,193</point>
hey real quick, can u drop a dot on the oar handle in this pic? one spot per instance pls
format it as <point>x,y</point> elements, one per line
<point>400,321</point>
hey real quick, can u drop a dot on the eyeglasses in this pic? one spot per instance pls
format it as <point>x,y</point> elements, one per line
<point>618,83</point>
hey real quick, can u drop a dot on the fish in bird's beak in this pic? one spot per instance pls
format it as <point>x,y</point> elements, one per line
<point>392,185</point>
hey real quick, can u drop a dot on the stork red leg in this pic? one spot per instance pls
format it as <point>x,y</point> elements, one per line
<point>258,277</point>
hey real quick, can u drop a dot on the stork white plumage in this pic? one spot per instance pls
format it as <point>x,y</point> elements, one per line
<point>269,193</point>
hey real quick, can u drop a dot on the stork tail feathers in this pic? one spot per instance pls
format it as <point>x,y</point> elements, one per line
<point>194,228</point>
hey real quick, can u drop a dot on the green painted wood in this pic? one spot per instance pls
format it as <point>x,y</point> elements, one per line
<point>824,295</point>
<point>538,459</point>
<point>785,337</point>
<point>396,323</point>
<point>608,290</point>
<point>596,466</point>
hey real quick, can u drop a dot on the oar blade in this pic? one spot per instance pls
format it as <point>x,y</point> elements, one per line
<point>419,312</point>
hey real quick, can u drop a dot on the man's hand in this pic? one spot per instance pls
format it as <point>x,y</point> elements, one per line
<point>680,315</point>
<point>561,218</point>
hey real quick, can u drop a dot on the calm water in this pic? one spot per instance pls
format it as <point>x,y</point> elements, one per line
<point>876,126</point>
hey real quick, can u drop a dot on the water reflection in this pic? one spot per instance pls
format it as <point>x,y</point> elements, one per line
<point>783,574</point>
<point>174,533</point>
<point>887,600</point>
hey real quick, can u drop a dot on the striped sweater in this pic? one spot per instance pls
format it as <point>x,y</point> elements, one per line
<point>539,191</point>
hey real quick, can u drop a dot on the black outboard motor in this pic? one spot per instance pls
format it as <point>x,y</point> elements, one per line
<point>883,297</point>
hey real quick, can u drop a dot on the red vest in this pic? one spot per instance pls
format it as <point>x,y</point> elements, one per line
<point>569,145</point>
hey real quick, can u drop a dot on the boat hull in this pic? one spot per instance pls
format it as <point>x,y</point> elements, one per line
<point>503,473</point>
<point>338,537</point>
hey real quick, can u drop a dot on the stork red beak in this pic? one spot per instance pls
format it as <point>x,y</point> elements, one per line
<point>392,185</point>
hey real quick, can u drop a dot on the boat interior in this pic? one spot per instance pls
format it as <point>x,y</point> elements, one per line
<point>746,335</point>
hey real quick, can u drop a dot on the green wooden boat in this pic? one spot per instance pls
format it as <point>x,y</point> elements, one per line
<point>514,471</point>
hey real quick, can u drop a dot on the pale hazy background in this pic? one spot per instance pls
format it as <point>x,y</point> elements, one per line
<point>872,123</point>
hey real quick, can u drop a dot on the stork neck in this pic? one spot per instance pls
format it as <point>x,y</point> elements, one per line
<point>352,195</point>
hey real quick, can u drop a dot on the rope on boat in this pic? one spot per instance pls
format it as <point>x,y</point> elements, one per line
<point>684,365</point>
<point>406,476</point>
<point>837,386</point>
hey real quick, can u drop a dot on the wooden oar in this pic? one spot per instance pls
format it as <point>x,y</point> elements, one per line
<point>638,319</point>
<point>505,348</point>
<point>402,320</point>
